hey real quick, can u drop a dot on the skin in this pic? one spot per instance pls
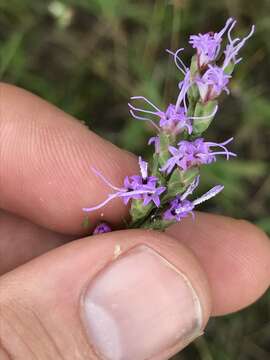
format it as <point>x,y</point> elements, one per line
<point>45,181</point>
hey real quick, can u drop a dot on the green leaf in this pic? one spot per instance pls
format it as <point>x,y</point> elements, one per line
<point>203,110</point>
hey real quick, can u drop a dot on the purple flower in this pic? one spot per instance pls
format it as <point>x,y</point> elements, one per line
<point>102,228</point>
<point>215,80</point>
<point>194,153</point>
<point>208,45</point>
<point>138,187</point>
<point>173,120</point>
<point>212,83</point>
<point>180,207</point>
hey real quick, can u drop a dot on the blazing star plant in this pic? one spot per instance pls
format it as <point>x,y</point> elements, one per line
<point>160,195</point>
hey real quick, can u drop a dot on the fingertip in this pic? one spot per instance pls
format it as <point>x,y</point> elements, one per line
<point>250,264</point>
<point>133,294</point>
<point>235,255</point>
<point>157,295</point>
<point>47,176</point>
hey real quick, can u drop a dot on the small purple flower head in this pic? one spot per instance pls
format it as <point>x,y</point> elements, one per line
<point>194,153</point>
<point>138,187</point>
<point>212,83</point>
<point>208,45</point>
<point>180,207</point>
<point>178,210</point>
<point>173,120</point>
<point>215,80</point>
<point>102,228</point>
<point>142,186</point>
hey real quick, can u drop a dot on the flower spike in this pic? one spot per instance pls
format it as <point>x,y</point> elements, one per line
<point>160,193</point>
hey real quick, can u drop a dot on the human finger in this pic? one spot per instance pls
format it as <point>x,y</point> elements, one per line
<point>234,254</point>
<point>45,164</point>
<point>123,295</point>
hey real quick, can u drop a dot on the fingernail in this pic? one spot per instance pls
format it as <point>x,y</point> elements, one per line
<point>140,307</point>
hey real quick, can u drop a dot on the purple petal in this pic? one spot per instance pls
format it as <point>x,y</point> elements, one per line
<point>156,200</point>
<point>105,180</point>
<point>146,100</point>
<point>105,202</point>
<point>211,193</point>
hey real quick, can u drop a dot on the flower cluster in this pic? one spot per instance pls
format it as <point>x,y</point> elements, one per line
<point>159,194</point>
<point>180,207</point>
<point>194,153</point>
<point>215,79</point>
<point>137,187</point>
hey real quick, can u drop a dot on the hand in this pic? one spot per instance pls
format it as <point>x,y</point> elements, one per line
<point>128,295</point>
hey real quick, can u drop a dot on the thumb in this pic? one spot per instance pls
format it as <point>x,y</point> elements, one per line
<point>125,295</point>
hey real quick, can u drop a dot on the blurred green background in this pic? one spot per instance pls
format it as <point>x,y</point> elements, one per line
<point>89,56</point>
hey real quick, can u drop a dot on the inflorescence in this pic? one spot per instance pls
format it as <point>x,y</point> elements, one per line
<point>159,194</point>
